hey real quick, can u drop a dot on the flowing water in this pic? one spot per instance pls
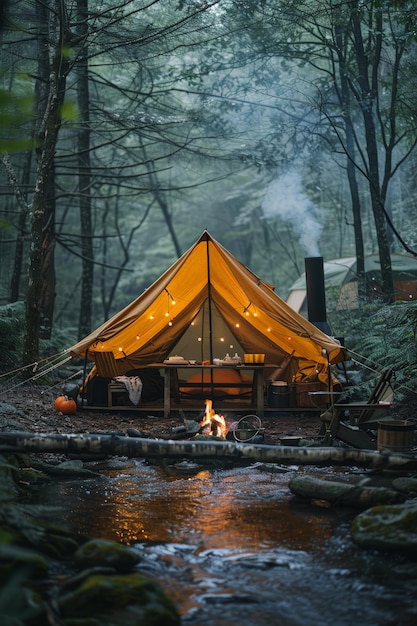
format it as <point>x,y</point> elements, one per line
<point>233,546</point>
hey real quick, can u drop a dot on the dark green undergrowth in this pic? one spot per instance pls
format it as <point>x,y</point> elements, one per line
<point>12,320</point>
<point>380,337</point>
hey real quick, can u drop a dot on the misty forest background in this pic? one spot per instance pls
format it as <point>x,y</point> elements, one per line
<point>286,129</point>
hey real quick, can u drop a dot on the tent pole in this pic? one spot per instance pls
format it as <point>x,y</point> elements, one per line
<point>210,317</point>
<point>84,377</point>
<point>209,302</point>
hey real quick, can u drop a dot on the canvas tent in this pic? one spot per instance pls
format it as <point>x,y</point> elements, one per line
<point>206,304</point>
<point>341,283</point>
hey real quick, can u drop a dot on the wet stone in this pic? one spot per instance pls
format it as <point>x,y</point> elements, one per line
<point>106,553</point>
<point>131,600</point>
<point>388,527</point>
<point>405,484</point>
<point>74,467</point>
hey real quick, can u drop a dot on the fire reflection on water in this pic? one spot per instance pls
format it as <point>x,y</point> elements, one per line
<point>220,509</point>
<point>232,546</point>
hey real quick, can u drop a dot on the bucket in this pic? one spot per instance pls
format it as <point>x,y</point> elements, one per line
<point>395,435</point>
<point>278,395</point>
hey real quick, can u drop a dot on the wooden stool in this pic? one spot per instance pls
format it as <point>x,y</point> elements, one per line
<point>119,389</point>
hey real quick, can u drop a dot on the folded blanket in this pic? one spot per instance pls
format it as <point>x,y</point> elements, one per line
<point>133,385</point>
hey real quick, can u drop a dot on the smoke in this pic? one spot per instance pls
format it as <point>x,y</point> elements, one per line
<point>286,199</point>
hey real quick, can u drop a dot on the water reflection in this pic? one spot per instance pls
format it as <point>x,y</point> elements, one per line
<point>220,509</point>
<point>232,547</point>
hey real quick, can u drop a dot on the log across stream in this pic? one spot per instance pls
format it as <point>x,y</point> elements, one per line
<point>136,447</point>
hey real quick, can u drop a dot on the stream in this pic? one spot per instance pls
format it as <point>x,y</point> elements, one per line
<point>233,546</point>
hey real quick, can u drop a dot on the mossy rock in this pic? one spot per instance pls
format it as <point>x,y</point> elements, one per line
<point>106,553</point>
<point>130,599</point>
<point>388,527</point>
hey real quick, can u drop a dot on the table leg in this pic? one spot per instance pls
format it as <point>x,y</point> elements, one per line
<point>258,375</point>
<point>167,392</point>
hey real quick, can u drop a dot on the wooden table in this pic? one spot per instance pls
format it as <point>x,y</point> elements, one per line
<point>171,370</point>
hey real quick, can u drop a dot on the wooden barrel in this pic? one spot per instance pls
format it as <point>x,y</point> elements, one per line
<point>395,435</point>
<point>278,395</point>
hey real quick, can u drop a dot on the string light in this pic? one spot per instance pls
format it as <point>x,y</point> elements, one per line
<point>171,300</point>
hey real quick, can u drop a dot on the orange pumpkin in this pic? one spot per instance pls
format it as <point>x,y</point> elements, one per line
<point>58,401</point>
<point>65,405</point>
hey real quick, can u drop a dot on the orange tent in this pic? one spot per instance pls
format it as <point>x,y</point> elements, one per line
<point>205,305</point>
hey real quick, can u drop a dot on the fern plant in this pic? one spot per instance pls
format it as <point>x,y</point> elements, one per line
<point>380,336</point>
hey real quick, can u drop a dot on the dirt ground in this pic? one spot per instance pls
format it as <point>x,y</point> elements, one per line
<point>32,407</point>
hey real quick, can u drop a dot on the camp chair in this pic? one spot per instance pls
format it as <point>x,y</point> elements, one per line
<point>106,364</point>
<point>356,423</point>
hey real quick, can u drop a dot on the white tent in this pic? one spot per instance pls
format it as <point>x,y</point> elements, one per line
<point>340,279</point>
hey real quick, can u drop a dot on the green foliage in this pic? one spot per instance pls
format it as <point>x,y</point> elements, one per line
<point>12,321</point>
<point>384,336</point>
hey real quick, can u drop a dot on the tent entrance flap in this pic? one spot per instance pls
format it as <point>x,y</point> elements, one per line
<point>208,334</point>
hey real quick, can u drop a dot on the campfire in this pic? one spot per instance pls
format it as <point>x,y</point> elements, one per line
<point>212,423</point>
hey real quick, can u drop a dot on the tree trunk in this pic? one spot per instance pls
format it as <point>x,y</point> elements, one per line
<point>345,102</point>
<point>135,447</point>
<point>367,98</point>
<point>84,177</point>
<point>40,229</point>
<point>46,295</point>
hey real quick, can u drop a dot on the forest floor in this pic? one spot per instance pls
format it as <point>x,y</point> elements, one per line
<point>31,406</point>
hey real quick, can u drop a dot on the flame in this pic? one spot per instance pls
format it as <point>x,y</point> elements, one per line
<point>212,423</point>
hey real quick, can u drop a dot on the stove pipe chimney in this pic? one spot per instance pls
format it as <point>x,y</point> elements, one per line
<point>316,294</point>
